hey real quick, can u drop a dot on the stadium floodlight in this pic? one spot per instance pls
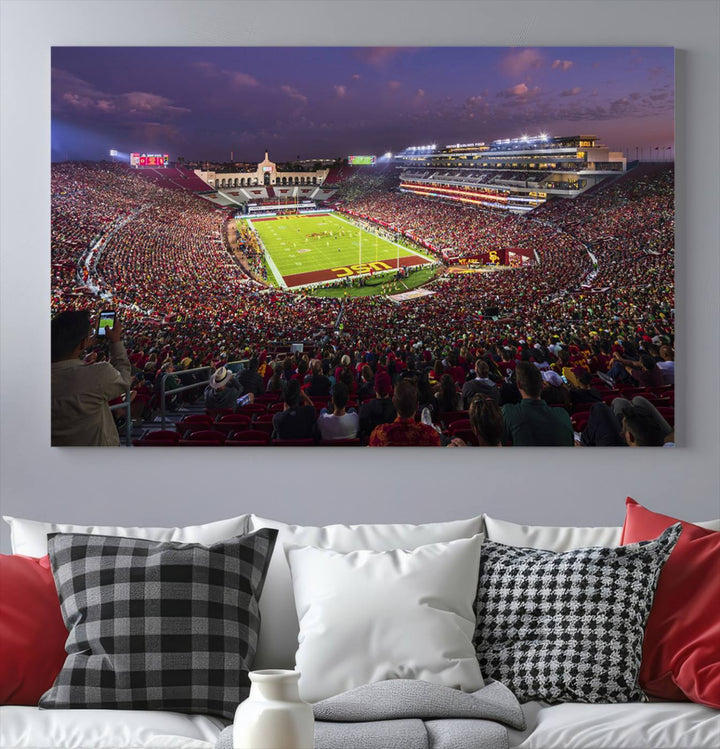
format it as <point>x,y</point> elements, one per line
<point>544,136</point>
<point>524,138</point>
<point>387,155</point>
<point>113,152</point>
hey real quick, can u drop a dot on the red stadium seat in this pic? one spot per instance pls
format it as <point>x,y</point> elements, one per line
<point>204,437</point>
<point>668,414</point>
<point>459,426</point>
<point>274,408</point>
<point>579,420</point>
<point>267,398</point>
<point>216,413</point>
<point>448,417</point>
<point>248,437</point>
<point>193,421</point>
<point>266,427</point>
<point>231,422</point>
<point>293,443</point>
<point>158,438</point>
<point>467,435</point>
<point>252,409</point>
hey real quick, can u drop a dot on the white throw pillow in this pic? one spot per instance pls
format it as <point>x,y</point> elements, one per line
<point>549,537</point>
<point>29,537</point>
<point>559,538</point>
<point>367,616</point>
<point>279,628</point>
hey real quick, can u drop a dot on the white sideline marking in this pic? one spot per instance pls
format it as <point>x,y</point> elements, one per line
<point>271,263</point>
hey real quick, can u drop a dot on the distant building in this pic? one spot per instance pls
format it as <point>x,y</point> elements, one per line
<point>266,175</point>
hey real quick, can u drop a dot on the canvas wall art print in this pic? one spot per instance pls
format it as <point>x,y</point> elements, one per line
<point>449,247</point>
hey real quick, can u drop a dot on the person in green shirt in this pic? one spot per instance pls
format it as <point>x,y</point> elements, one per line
<point>532,422</point>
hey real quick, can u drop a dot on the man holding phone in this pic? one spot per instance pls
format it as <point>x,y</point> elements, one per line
<point>80,393</point>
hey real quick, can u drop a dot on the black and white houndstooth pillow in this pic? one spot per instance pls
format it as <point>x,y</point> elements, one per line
<point>157,625</point>
<point>567,627</point>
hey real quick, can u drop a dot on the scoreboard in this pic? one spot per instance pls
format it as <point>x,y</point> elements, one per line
<point>362,160</point>
<point>149,159</point>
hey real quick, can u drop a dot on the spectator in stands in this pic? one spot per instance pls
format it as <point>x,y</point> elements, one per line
<point>250,379</point>
<point>80,393</point>
<point>554,390</point>
<point>379,410</point>
<point>448,397</point>
<point>171,383</point>
<point>486,422</point>
<point>623,364</point>
<point>644,408</point>
<point>602,429</point>
<point>648,374</point>
<point>367,383</point>
<point>341,423</point>
<point>404,431</point>
<point>667,365</point>
<point>298,420</point>
<point>641,428</point>
<point>585,393</point>
<point>480,384</point>
<point>532,422</point>
<point>277,383</point>
<point>222,391</point>
<point>319,383</point>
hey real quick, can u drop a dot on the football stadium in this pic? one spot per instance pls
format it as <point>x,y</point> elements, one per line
<point>268,303</point>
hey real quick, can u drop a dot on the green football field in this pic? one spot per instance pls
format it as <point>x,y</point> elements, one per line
<point>323,247</point>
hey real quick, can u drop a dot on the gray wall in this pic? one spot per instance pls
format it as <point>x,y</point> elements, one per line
<point>579,486</point>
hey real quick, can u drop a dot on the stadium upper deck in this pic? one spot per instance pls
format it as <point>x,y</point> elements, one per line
<point>514,174</point>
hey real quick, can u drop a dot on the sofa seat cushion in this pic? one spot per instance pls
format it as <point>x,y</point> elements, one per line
<point>31,728</point>
<point>656,725</point>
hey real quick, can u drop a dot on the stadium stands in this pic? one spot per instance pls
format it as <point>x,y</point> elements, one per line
<point>157,251</point>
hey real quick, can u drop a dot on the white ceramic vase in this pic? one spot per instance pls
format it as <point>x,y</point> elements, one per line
<point>274,716</point>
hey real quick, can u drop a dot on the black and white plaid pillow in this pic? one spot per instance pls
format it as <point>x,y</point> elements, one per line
<point>158,625</point>
<point>567,627</point>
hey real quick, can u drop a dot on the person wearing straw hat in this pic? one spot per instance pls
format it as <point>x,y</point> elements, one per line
<point>222,390</point>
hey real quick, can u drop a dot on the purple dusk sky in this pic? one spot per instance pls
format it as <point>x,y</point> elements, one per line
<point>204,102</point>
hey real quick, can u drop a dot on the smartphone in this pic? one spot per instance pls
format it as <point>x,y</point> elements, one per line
<point>106,320</point>
<point>243,400</point>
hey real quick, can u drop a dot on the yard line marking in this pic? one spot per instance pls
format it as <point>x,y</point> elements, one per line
<point>394,244</point>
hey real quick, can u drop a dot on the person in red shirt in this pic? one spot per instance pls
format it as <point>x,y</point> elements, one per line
<point>404,431</point>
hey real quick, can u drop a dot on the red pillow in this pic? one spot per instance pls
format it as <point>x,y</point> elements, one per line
<point>681,650</point>
<point>32,632</point>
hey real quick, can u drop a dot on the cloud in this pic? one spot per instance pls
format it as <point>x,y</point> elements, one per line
<point>72,94</point>
<point>563,65</point>
<point>517,62</point>
<point>420,92</point>
<point>356,76</point>
<point>293,93</point>
<point>393,85</point>
<point>571,91</point>
<point>242,79</point>
<point>340,91</point>
<point>233,77</point>
<point>522,90</point>
<point>380,56</point>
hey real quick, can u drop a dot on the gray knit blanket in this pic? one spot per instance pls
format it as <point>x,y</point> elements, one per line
<point>409,714</point>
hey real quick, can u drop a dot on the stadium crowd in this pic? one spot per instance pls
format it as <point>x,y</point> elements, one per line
<point>604,283</point>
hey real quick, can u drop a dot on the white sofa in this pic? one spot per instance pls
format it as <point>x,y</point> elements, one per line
<point>651,725</point>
